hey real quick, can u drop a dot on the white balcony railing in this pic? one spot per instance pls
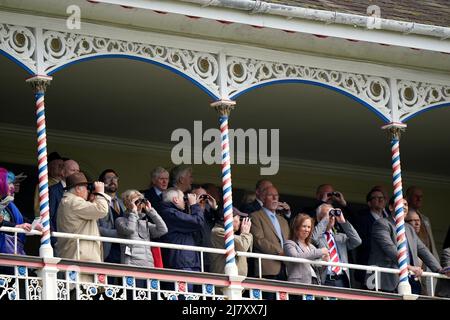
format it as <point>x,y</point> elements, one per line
<point>86,280</point>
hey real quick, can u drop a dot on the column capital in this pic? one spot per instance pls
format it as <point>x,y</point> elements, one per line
<point>39,83</point>
<point>224,107</point>
<point>395,129</point>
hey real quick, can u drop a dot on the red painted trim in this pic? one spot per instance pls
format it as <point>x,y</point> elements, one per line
<point>314,292</point>
<point>142,274</point>
<point>21,263</point>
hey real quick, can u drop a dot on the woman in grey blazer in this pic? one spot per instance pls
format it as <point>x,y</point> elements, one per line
<point>299,246</point>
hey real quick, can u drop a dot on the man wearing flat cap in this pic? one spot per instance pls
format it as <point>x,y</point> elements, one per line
<point>243,241</point>
<point>78,215</point>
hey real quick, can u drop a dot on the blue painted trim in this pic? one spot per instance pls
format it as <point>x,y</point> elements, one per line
<point>444,104</point>
<point>16,61</point>
<point>320,84</point>
<point>147,60</point>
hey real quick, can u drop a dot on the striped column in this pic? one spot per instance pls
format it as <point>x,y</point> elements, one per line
<point>402,245</point>
<point>39,85</point>
<point>224,108</point>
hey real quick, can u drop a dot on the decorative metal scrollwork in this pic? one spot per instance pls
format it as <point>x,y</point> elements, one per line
<point>19,42</point>
<point>415,96</point>
<point>61,48</point>
<point>245,73</point>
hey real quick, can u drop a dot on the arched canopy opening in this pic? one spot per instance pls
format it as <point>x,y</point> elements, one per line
<point>347,93</point>
<point>195,81</point>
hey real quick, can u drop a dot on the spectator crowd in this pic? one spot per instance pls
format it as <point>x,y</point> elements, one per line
<point>174,210</point>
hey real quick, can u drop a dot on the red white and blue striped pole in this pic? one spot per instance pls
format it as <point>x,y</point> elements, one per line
<point>402,244</point>
<point>39,84</point>
<point>224,108</point>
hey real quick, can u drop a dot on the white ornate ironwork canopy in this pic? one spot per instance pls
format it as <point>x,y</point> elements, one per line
<point>217,71</point>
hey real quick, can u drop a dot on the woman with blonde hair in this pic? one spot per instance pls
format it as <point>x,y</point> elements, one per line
<point>140,222</point>
<point>299,246</point>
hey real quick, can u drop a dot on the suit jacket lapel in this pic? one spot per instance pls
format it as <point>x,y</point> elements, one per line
<point>409,240</point>
<point>269,222</point>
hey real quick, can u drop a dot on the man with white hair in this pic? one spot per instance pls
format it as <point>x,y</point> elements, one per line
<point>159,183</point>
<point>337,243</point>
<point>257,204</point>
<point>181,178</point>
<point>181,228</point>
<point>269,232</point>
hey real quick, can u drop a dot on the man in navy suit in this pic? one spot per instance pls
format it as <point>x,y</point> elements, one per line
<point>107,225</point>
<point>159,183</point>
<point>376,203</point>
<point>56,191</point>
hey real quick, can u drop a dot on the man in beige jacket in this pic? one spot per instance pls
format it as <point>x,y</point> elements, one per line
<point>243,241</point>
<point>78,215</point>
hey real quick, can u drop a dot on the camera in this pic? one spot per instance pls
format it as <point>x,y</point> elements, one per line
<point>139,201</point>
<point>90,187</point>
<point>335,212</point>
<point>334,193</point>
<point>203,197</point>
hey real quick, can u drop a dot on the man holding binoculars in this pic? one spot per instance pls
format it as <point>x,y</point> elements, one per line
<point>325,235</point>
<point>78,215</point>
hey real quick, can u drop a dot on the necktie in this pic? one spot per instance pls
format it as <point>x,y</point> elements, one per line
<point>116,205</point>
<point>332,250</point>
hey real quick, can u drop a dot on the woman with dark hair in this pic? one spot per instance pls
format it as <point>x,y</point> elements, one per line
<point>10,216</point>
<point>299,246</point>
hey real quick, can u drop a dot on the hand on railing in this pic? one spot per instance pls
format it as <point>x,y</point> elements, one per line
<point>416,271</point>
<point>24,226</point>
<point>445,271</point>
